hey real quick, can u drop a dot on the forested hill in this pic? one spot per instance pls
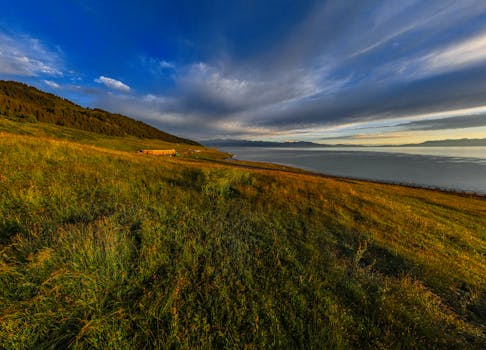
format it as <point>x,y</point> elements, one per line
<point>21,102</point>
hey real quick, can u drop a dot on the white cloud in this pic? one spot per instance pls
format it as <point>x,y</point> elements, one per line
<point>454,57</point>
<point>217,82</point>
<point>394,19</point>
<point>26,56</point>
<point>465,53</point>
<point>166,64</point>
<point>113,84</point>
<point>52,84</point>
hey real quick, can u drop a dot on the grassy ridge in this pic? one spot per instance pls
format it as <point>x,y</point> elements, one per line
<point>126,143</point>
<point>106,248</point>
<point>20,102</point>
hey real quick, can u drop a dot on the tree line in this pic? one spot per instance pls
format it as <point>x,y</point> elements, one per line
<point>21,102</point>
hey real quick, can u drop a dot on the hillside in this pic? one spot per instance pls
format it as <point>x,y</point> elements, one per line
<point>20,102</point>
<point>103,247</point>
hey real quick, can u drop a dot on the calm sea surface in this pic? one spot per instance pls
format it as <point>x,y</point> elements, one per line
<point>454,168</point>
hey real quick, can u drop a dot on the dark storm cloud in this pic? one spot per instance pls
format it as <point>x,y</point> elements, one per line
<point>446,92</point>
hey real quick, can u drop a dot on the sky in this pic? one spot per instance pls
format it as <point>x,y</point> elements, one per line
<point>354,71</point>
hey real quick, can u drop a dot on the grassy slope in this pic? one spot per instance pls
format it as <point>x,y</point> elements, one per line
<point>127,143</point>
<point>106,248</point>
<point>20,102</point>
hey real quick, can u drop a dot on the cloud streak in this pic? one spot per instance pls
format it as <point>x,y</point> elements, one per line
<point>52,84</point>
<point>113,84</point>
<point>23,55</point>
<point>167,65</point>
<point>460,122</point>
<point>465,53</point>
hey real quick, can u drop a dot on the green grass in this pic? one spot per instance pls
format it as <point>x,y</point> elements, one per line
<point>126,143</point>
<point>103,248</point>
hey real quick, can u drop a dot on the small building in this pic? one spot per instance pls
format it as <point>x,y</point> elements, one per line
<point>159,152</point>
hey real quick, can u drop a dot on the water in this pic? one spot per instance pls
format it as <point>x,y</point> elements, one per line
<point>452,168</point>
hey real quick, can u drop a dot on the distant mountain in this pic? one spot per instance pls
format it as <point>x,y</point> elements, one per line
<point>445,143</point>
<point>21,102</point>
<point>246,143</point>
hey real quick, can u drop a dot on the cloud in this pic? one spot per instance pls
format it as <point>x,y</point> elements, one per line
<point>23,55</point>
<point>113,84</point>
<point>466,52</point>
<point>310,80</point>
<point>166,64</point>
<point>52,84</point>
<point>460,122</point>
<point>211,101</point>
<point>342,63</point>
<point>157,67</point>
<point>225,91</point>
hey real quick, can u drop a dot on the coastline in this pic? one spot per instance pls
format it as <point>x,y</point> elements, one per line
<point>255,165</point>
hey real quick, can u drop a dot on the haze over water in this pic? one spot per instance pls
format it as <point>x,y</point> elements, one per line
<point>452,168</point>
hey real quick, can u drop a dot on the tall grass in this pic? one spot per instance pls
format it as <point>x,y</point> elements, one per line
<point>109,249</point>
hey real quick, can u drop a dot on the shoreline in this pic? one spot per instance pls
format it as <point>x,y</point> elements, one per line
<point>249,164</point>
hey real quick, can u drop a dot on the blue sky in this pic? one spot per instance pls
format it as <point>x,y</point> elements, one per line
<point>373,72</point>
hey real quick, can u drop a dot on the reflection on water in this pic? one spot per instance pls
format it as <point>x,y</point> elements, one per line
<point>457,168</point>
